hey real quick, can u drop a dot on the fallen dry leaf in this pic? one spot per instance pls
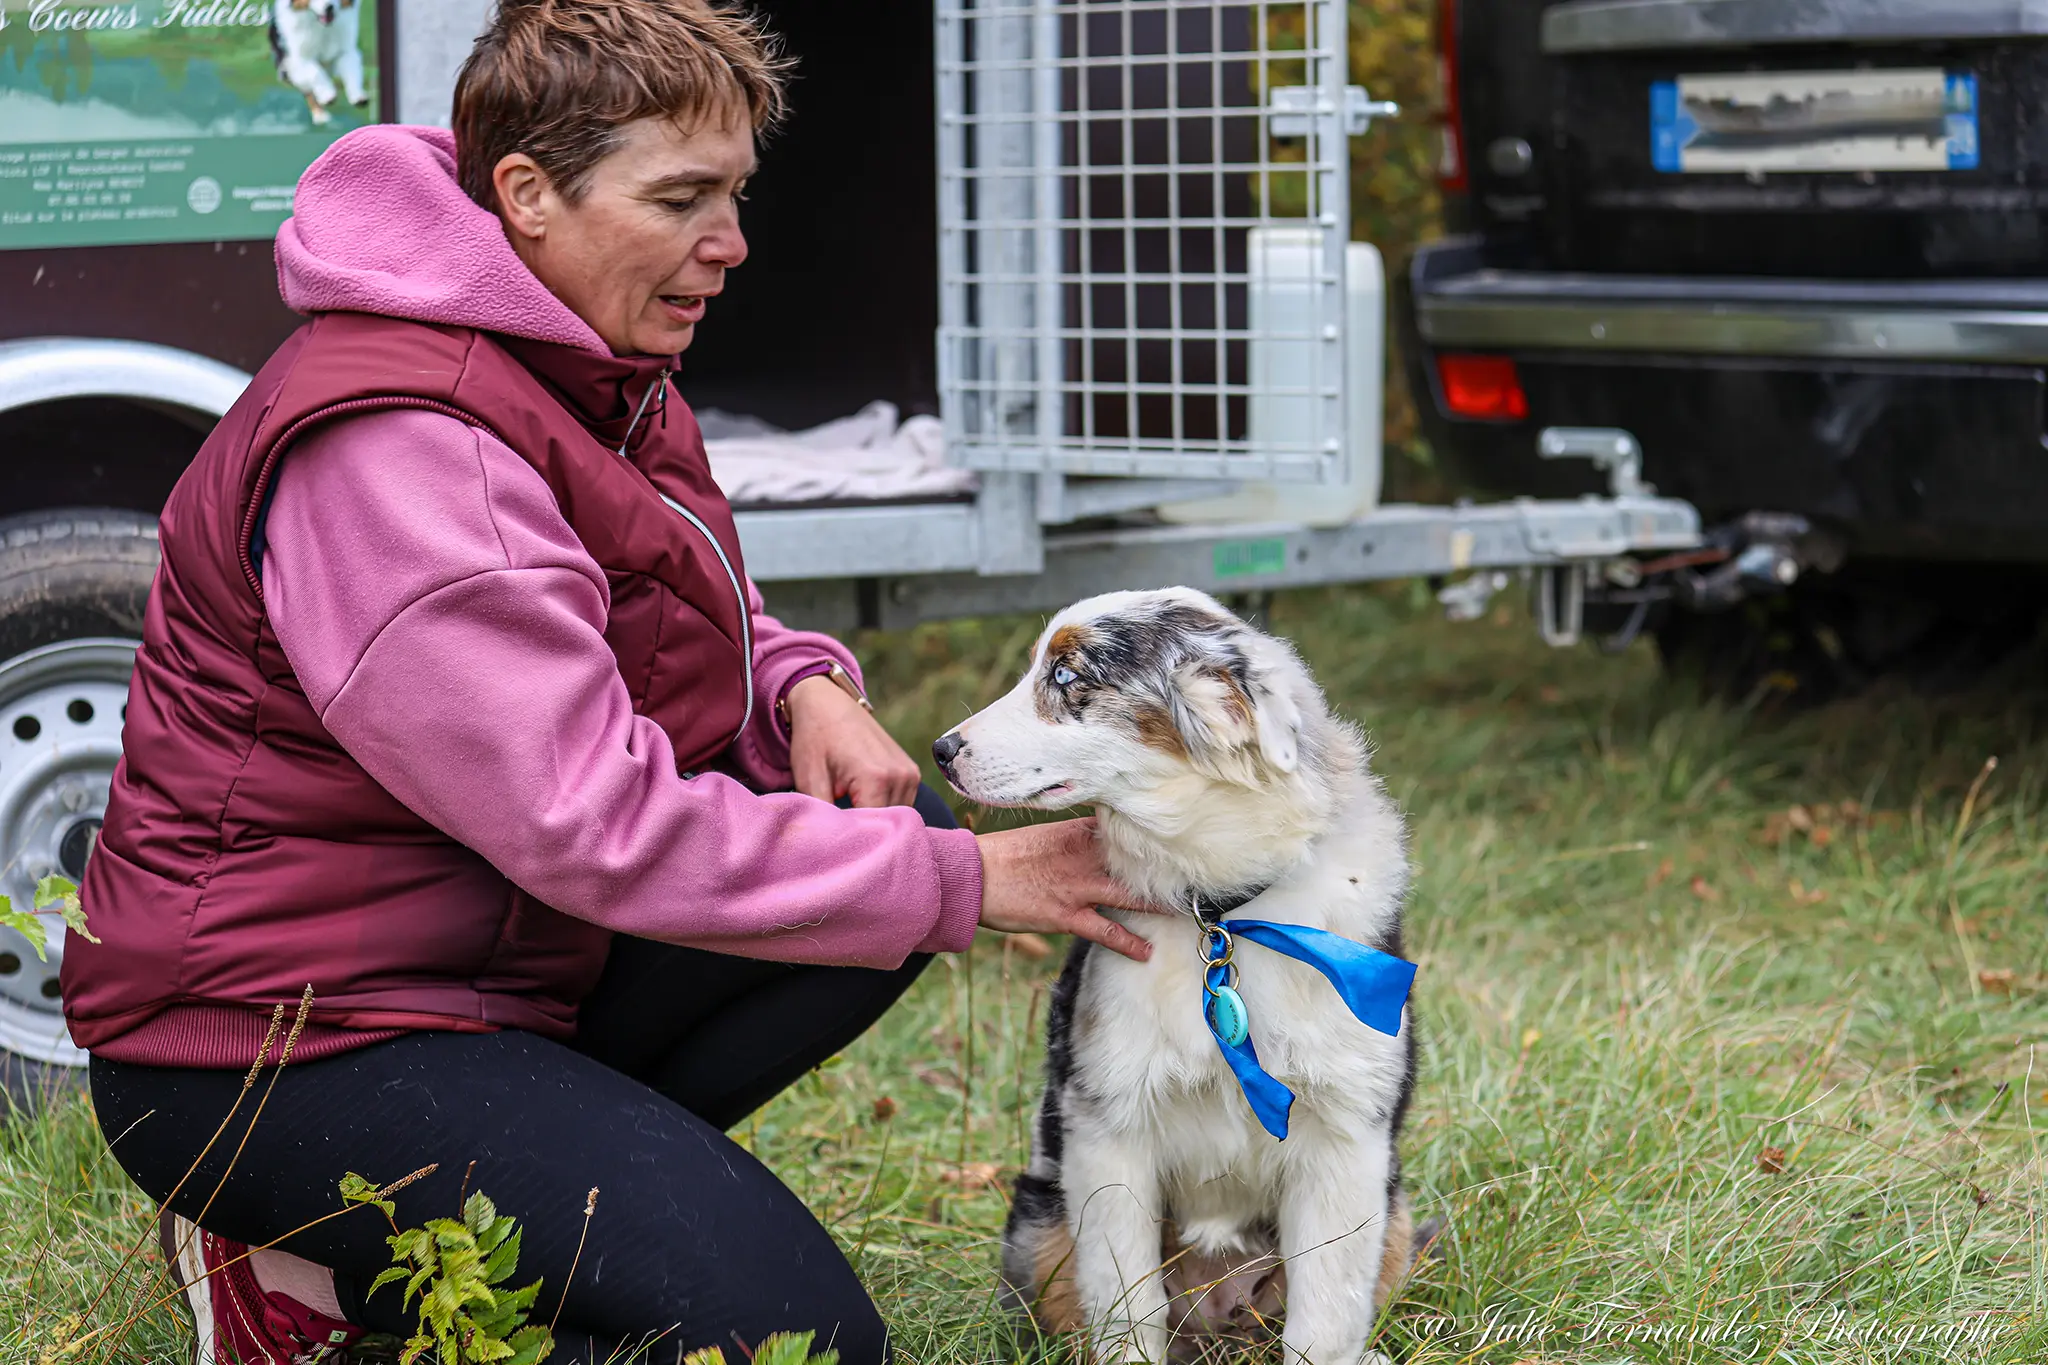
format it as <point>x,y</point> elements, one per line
<point>1549,694</point>
<point>1771,1161</point>
<point>1704,891</point>
<point>1816,822</point>
<point>975,1175</point>
<point>1801,896</point>
<point>1998,979</point>
<point>1660,876</point>
<point>938,1078</point>
<point>885,1109</point>
<point>1034,946</point>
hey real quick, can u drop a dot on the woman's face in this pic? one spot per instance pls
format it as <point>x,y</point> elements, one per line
<point>650,240</point>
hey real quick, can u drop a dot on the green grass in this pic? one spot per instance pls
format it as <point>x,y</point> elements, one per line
<point>1639,972</point>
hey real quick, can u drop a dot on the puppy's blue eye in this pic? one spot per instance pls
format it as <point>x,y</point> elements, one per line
<point>1062,676</point>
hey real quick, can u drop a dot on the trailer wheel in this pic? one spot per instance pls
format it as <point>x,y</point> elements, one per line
<point>73,585</point>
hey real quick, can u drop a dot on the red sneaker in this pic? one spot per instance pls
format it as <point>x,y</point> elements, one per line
<point>236,1322</point>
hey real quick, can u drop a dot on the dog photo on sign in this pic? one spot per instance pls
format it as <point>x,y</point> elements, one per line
<point>1216,1151</point>
<point>318,43</point>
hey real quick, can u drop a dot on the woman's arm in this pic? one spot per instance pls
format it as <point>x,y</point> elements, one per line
<point>782,658</point>
<point>447,626</point>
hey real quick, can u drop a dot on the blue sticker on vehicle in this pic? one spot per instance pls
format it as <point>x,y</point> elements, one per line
<point>1962,121</point>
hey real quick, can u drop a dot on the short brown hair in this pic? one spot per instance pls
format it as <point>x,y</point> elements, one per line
<point>558,79</point>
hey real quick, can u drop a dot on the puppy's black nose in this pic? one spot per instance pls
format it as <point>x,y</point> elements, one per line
<point>945,749</point>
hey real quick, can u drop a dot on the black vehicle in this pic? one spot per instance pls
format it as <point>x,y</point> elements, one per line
<point>1799,250</point>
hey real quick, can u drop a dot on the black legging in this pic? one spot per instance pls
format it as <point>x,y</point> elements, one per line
<point>694,1241</point>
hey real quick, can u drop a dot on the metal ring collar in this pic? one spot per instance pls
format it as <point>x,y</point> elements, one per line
<point>1212,936</point>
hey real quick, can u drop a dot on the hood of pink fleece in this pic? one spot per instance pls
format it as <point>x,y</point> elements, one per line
<point>381,226</point>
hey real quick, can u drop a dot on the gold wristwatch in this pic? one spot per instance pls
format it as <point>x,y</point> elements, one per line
<point>840,679</point>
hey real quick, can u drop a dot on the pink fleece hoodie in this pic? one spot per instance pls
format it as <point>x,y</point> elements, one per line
<point>448,626</point>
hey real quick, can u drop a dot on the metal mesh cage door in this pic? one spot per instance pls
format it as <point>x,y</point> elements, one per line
<point>1143,218</point>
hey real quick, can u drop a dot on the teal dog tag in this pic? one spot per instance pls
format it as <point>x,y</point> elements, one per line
<point>1228,1016</point>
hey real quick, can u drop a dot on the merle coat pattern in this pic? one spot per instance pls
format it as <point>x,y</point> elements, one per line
<point>1156,1213</point>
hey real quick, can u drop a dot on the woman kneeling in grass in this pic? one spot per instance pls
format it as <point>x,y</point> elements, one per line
<point>455,705</point>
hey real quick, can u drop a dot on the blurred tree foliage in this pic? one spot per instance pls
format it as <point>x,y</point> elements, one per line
<point>1394,198</point>
<point>1395,204</point>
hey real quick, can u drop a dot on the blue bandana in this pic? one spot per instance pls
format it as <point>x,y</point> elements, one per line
<point>1373,986</point>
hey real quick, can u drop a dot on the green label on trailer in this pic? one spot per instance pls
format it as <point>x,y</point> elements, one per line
<point>1242,558</point>
<point>172,120</point>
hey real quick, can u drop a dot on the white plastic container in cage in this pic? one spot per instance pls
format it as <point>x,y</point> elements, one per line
<point>1282,267</point>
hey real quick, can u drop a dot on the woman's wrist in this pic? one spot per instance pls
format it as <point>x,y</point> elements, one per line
<point>957,854</point>
<point>811,680</point>
<point>816,695</point>
<point>816,669</point>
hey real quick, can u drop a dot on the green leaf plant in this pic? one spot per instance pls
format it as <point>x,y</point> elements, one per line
<point>52,893</point>
<point>457,1270</point>
<point>784,1348</point>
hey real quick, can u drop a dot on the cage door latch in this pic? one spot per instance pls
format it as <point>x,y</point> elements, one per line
<point>1294,106</point>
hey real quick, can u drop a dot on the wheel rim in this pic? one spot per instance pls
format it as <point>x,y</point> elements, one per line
<point>61,712</point>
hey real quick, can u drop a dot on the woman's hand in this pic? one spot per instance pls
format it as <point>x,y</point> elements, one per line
<point>1049,879</point>
<point>836,748</point>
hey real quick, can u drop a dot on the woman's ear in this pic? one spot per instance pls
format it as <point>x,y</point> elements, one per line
<point>524,195</point>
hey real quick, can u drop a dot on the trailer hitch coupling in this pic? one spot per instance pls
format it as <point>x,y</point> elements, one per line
<point>1759,554</point>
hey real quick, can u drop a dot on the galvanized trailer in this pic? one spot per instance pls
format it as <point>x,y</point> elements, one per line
<point>1136,311</point>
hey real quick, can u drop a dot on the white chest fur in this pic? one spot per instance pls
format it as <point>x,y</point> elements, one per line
<point>1156,1080</point>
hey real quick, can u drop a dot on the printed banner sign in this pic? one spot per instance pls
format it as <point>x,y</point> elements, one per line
<point>1922,119</point>
<point>172,120</point>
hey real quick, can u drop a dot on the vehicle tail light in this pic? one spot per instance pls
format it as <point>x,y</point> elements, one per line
<point>1452,167</point>
<point>1483,388</point>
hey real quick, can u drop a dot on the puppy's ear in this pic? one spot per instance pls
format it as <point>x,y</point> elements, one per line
<point>1212,712</point>
<point>1225,708</point>
<point>1277,721</point>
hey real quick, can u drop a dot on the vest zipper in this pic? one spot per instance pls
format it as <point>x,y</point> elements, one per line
<point>740,594</point>
<point>732,576</point>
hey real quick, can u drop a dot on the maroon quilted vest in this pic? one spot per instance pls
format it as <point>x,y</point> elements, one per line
<point>245,854</point>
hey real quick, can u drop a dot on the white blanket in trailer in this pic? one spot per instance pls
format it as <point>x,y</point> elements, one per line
<point>868,457</point>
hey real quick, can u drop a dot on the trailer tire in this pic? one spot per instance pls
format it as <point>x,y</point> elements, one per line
<point>74,584</point>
